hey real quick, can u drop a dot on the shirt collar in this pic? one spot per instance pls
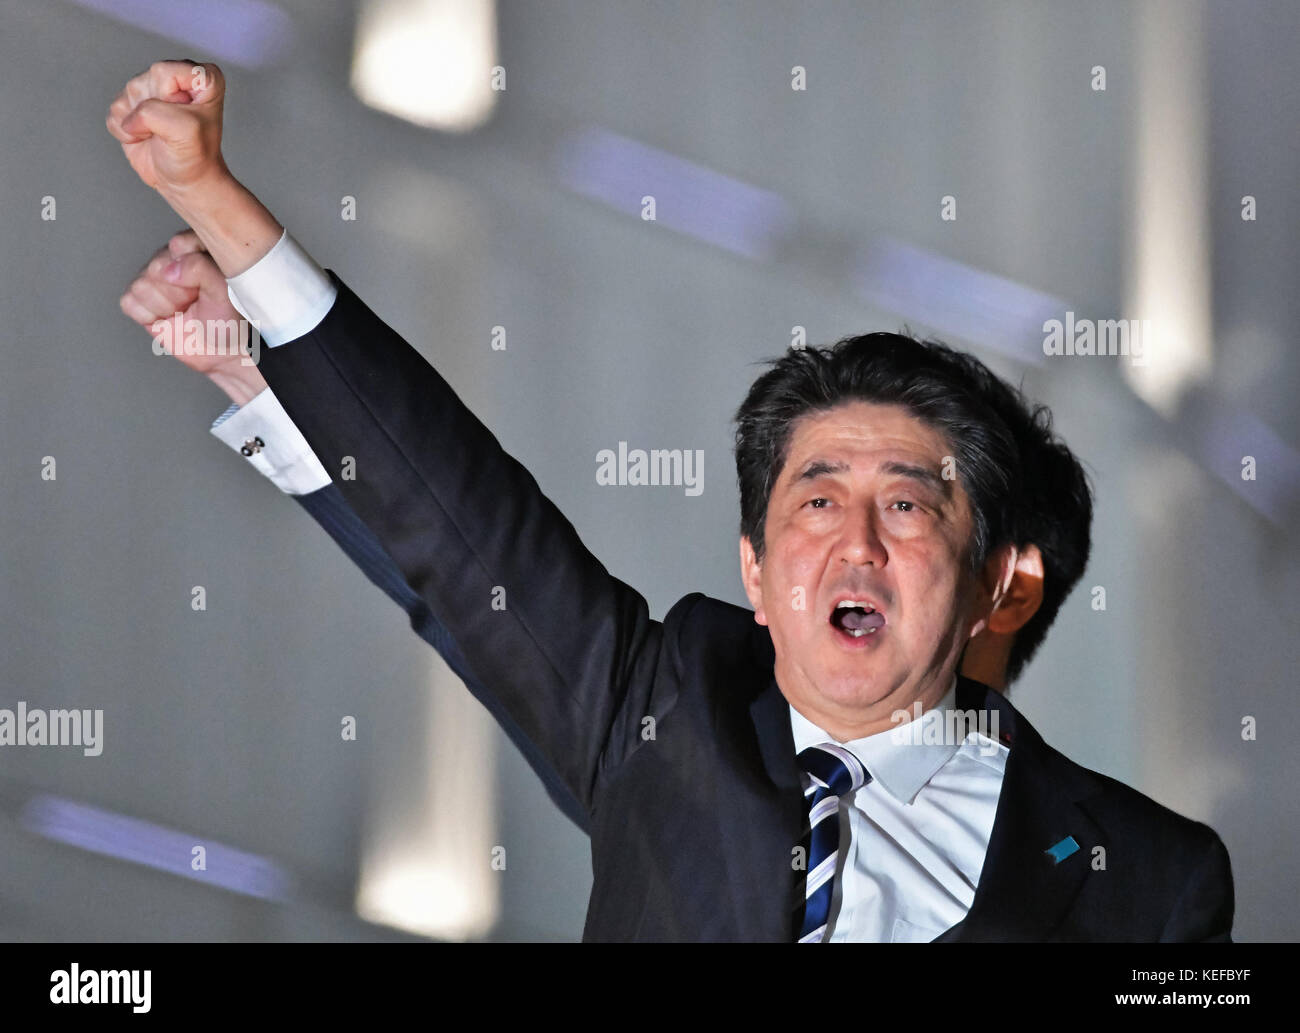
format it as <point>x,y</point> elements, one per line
<point>903,765</point>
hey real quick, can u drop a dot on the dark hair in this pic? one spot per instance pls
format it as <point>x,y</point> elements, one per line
<point>1055,508</point>
<point>1025,485</point>
<point>929,379</point>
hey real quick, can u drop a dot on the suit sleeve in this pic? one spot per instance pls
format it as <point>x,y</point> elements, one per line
<point>263,433</point>
<point>1203,913</point>
<point>569,650</point>
<point>330,510</point>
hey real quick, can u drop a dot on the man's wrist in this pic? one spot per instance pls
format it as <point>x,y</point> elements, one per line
<point>235,227</point>
<point>241,384</point>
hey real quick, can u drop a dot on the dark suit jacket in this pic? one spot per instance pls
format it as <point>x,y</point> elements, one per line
<point>330,509</point>
<point>672,735</point>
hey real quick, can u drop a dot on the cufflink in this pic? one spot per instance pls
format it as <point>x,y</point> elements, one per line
<point>253,445</point>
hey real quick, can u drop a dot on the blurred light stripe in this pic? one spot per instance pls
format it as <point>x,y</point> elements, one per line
<point>142,842</point>
<point>1170,247</point>
<point>431,830</point>
<point>955,299</point>
<point>690,198</point>
<point>250,33</point>
<point>1221,435</point>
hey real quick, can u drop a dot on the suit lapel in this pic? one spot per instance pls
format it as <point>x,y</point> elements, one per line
<point>765,821</point>
<point>1024,893</point>
<point>775,814</point>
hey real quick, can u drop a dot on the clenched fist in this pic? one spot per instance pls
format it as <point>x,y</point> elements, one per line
<point>183,279</point>
<point>168,120</point>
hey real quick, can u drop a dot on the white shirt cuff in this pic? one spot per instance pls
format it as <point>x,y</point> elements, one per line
<point>263,432</point>
<point>285,294</point>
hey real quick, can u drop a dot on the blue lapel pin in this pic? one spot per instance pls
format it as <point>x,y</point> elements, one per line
<point>1062,850</point>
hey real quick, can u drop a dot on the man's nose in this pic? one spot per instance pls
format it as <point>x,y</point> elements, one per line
<point>861,542</point>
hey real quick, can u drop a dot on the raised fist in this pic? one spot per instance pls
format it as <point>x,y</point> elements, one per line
<point>168,120</point>
<point>181,289</point>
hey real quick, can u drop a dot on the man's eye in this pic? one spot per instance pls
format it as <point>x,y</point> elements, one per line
<point>904,503</point>
<point>814,502</point>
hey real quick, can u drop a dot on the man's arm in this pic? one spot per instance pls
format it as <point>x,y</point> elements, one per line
<point>256,426</point>
<point>295,467</point>
<point>329,509</point>
<point>569,649</point>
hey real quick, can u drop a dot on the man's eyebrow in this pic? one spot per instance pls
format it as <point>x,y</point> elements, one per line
<point>821,467</point>
<point>919,473</point>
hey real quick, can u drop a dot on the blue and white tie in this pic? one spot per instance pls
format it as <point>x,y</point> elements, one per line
<point>834,772</point>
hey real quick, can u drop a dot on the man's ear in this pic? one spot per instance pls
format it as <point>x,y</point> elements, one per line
<point>1022,595</point>
<point>751,573</point>
<point>992,585</point>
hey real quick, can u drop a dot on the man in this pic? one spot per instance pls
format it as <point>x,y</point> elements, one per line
<point>1052,515</point>
<point>722,754</point>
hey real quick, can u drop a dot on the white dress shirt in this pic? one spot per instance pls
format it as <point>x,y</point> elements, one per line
<point>262,432</point>
<point>288,294</point>
<point>912,840</point>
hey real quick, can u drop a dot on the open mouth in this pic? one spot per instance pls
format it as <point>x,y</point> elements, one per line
<point>856,618</point>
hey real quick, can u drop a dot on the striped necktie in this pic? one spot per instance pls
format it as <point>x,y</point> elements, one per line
<point>834,772</point>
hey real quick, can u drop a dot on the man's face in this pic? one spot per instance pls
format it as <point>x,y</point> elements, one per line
<point>862,512</point>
